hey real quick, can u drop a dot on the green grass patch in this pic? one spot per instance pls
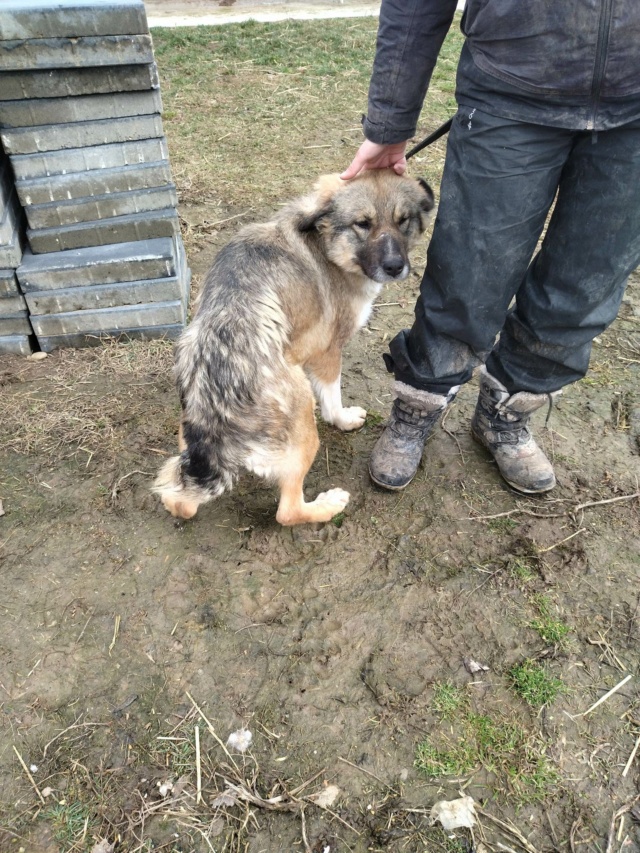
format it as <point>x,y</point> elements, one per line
<point>448,699</point>
<point>254,112</point>
<point>496,743</point>
<point>70,823</point>
<point>521,570</point>
<point>501,746</point>
<point>551,630</point>
<point>534,684</point>
<point>502,525</point>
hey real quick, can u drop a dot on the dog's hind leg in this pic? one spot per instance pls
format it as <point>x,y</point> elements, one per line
<point>292,468</point>
<point>325,374</point>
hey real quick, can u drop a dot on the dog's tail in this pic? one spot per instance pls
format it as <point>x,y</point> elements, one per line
<point>180,493</point>
<point>223,363</point>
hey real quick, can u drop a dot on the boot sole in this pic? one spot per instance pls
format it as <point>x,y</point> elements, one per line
<point>386,486</point>
<point>479,440</point>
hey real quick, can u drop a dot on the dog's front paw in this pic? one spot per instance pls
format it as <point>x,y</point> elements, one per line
<point>350,418</point>
<point>328,504</point>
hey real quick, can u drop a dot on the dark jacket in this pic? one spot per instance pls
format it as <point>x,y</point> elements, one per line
<point>579,57</point>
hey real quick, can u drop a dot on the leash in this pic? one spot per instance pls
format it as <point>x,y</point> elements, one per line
<point>445,128</point>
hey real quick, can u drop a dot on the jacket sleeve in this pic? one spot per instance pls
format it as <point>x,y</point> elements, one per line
<point>410,35</point>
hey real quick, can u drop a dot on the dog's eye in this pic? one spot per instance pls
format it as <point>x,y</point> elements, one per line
<point>364,224</point>
<point>403,221</point>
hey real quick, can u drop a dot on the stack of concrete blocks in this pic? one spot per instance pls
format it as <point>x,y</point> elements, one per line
<point>80,117</point>
<point>15,328</point>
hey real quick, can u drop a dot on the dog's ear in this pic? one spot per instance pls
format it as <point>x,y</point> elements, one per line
<point>309,220</point>
<point>317,206</point>
<point>428,202</point>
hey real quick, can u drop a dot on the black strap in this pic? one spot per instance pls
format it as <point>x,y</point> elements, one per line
<point>445,128</point>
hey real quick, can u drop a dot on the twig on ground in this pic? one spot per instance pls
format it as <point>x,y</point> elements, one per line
<point>75,725</point>
<point>449,433</point>
<point>561,542</point>
<point>305,841</point>
<point>116,629</point>
<point>116,486</point>
<point>604,698</point>
<point>368,772</point>
<point>607,501</point>
<point>198,766</point>
<point>616,815</point>
<point>29,776</point>
<point>608,653</point>
<point>509,828</point>
<point>212,731</point>
<point>570,511</point>
<point>634,752</point>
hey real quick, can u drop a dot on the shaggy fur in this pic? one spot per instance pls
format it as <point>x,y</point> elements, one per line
<point>277,307</point>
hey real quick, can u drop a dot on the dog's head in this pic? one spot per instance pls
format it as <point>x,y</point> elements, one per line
<point>369,225</point>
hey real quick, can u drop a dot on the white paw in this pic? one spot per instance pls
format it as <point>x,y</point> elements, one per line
<point>350,418</point>
<point>331,503</point>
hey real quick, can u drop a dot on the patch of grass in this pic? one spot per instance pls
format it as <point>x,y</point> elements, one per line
<point>338,520</point>
<point>243,98</point>
<point>58,412</point>
<point>448,699</point>
<point>501,746</point>
<point>374,419</point>
<point>70,823</point>
<point>521,569</point>
<point>534,684</point>
<point>502,525</point>
<point>551,630</point>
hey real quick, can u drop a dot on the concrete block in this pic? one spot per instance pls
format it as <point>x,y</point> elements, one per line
<point>86,51</point>
<point>18,85</point>
<point>92,158</point>
<point>131,261</point>
<point>24,19</point>
<point>105,295</point>
<point>8,283</point>
<point>42,111</point>
<point>53,137</point>
<point>87,339</point>
<point>120,229</point>
<point>109,319</point>
<point>56,214</point>
<point>16,344</point>
<point>11,254</point>
<point>15,324</point>
<point>97,182</point>
<point>12,304</point>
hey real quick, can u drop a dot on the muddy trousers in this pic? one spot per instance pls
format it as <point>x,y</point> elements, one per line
<point>500,181</point>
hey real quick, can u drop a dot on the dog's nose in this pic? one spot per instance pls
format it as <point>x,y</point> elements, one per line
<point>393,266</point>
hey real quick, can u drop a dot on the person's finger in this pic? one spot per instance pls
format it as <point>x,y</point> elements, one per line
<point>400,167</point>
<point>352,171</point>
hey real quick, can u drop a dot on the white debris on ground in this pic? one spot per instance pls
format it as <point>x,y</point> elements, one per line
<point>454,814</point>
<point>240,740</point>
<point>326,797</point>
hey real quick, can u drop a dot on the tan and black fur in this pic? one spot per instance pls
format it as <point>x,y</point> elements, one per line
<point>278,305</point>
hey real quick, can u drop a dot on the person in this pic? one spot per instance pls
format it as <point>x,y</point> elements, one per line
<point>548,101</point>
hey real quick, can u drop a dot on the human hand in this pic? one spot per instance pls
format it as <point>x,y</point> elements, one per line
<point>372,155</point>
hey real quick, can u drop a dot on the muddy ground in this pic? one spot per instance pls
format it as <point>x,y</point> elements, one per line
<point>124,630</point>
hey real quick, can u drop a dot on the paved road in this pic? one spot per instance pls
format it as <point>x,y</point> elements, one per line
<point>190,13</point>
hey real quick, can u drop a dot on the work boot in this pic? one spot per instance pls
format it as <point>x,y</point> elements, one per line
<point>500,423</point>
<point>397,453</point>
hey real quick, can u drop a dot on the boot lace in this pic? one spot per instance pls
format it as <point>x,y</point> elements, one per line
<point>512,427</point>
<point>408,422</point>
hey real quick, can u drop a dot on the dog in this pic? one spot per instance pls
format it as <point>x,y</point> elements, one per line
<point>276,309</point>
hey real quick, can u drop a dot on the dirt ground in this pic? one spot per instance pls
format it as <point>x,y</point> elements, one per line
<point>133,645</point>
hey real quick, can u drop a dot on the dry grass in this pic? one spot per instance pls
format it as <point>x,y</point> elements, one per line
<point>84,401</point>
